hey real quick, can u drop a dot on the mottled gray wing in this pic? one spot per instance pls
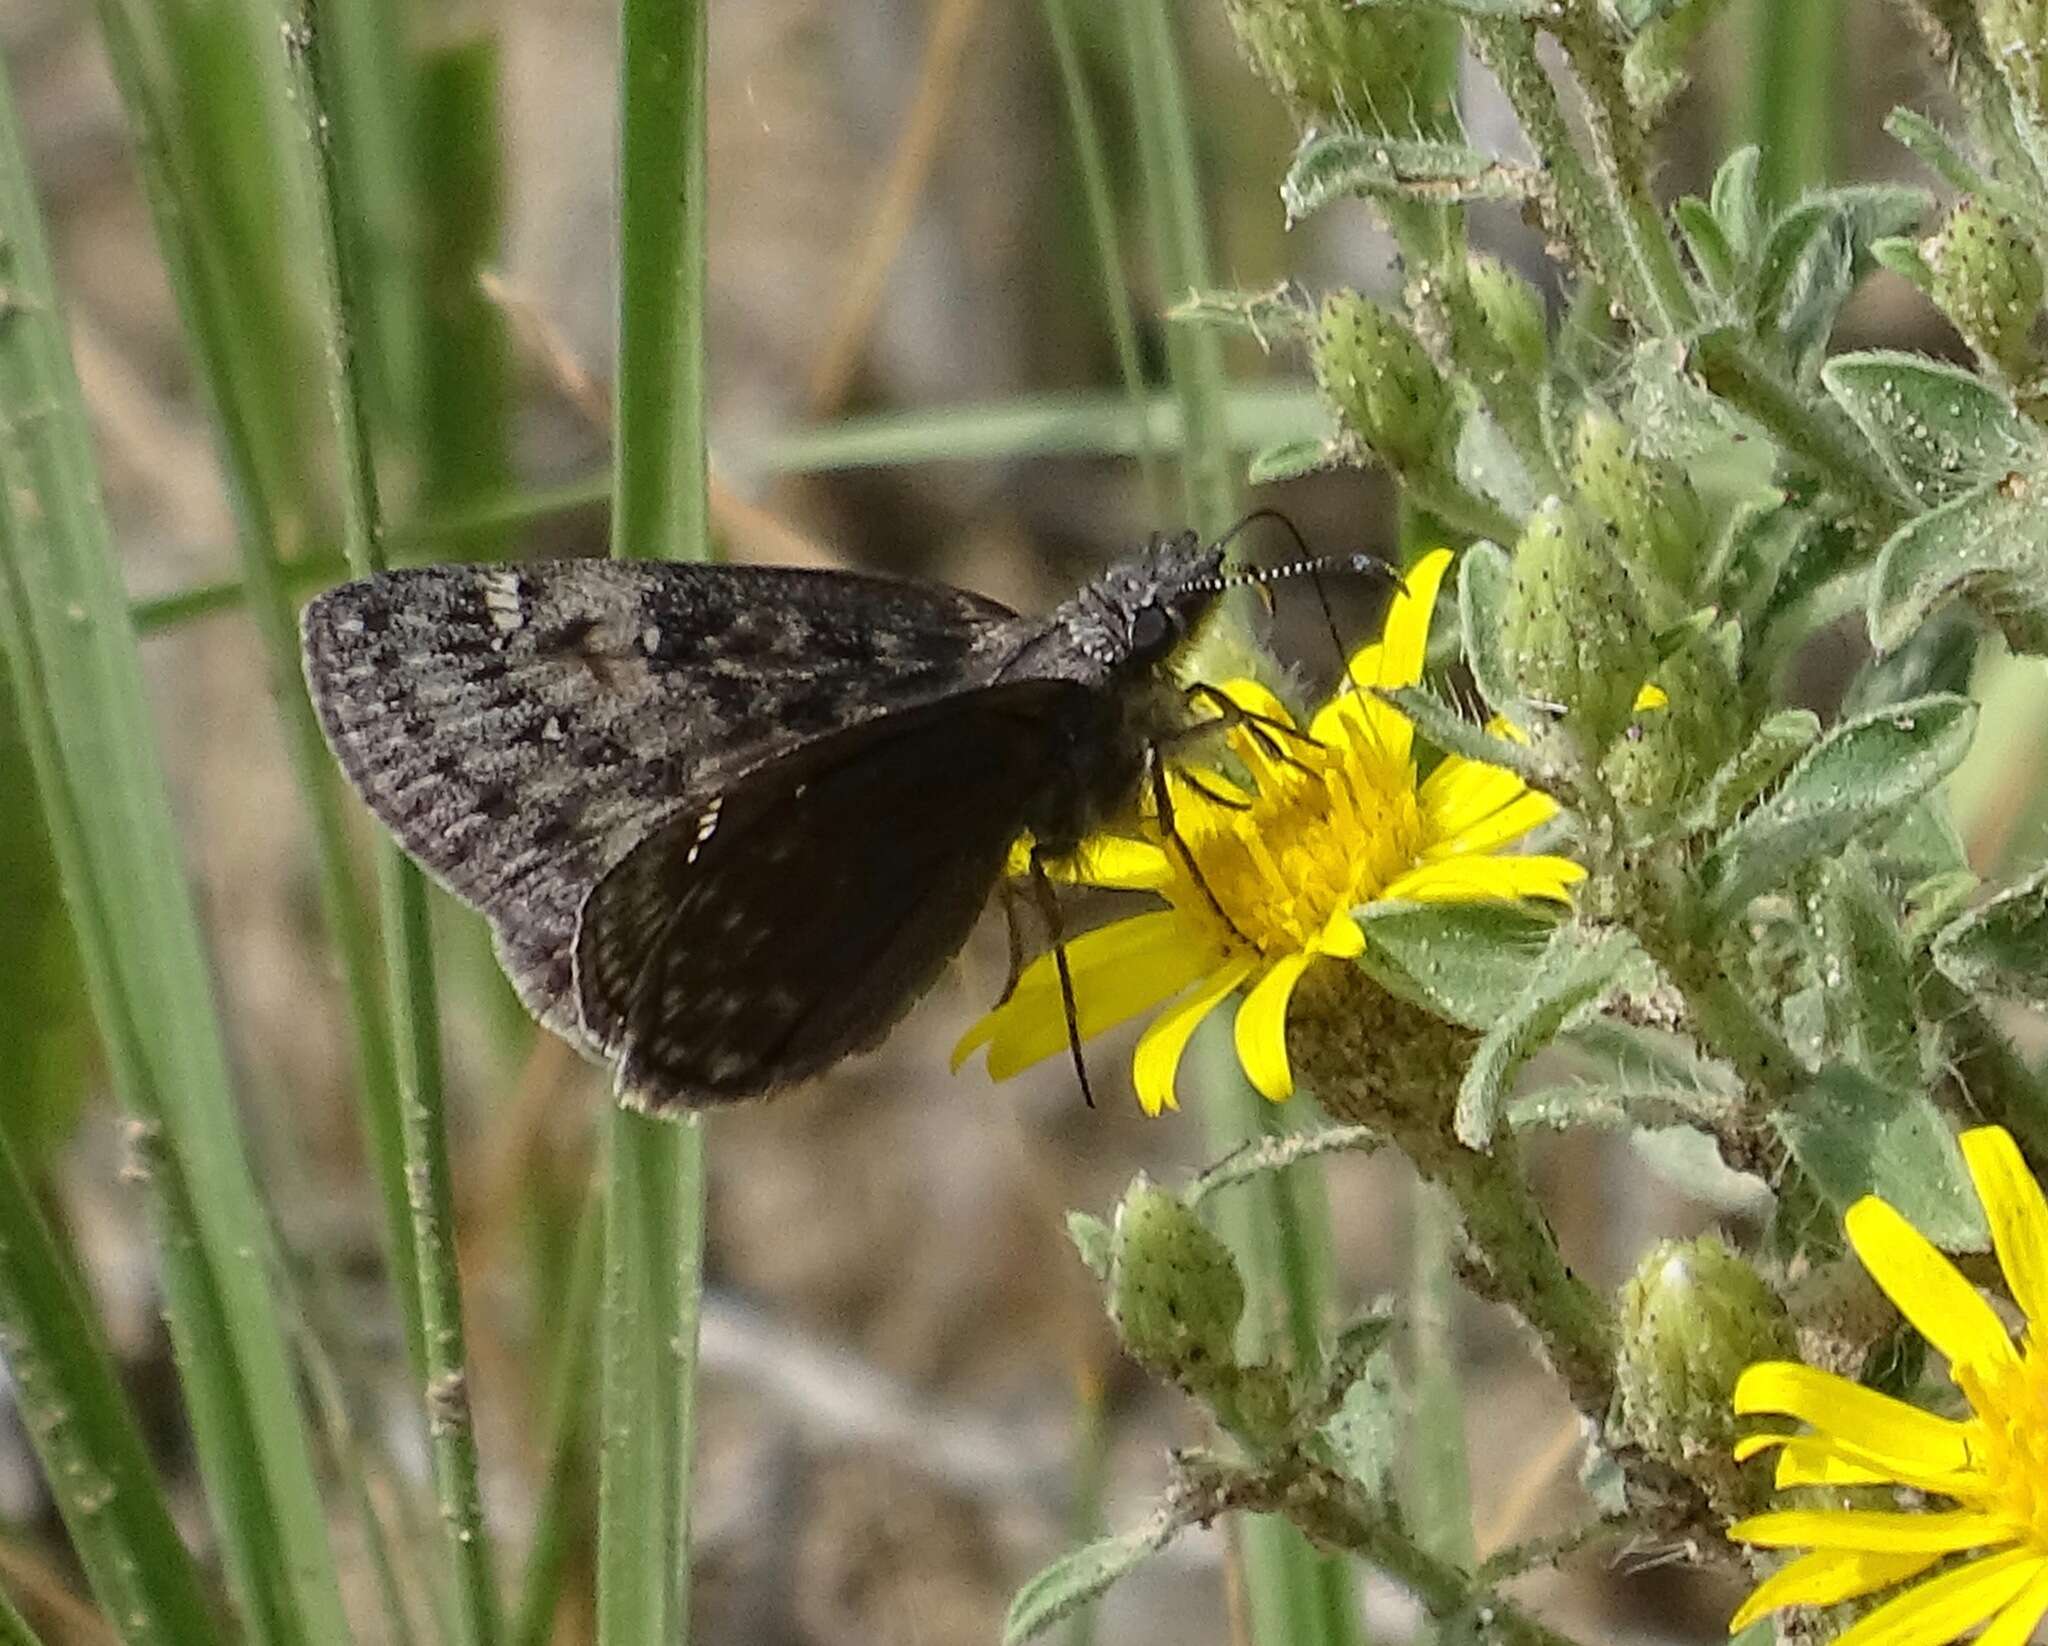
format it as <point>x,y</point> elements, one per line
<point>792,917</point>
<point>520,729</point>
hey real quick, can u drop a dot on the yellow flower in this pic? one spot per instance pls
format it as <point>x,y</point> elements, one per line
<point>1333,820</point>
<point>1991,1467</point>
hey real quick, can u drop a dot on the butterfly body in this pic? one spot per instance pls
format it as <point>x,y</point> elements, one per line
<point>727,824</point>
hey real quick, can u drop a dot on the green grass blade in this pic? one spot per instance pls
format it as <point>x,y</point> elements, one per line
<point>86,1435</point>
<point>1103,231</point>
<point>654,1208</point>
<point>540,1591</point>
<point>79,689</point>
<point>409,958</point>
<point>466,361</point>
<point>1278,1226</point>
<point>221,322</point>
<point>1791,112</point>
<point>1435,1483</point>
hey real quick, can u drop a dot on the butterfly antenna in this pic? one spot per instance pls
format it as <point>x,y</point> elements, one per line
<point>1310,565</point>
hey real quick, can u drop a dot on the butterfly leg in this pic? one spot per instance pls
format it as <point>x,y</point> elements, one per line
<point>1049,906</point>
<point>1012,929</point>
<point>1263,727</point>
<point>1162,805</point>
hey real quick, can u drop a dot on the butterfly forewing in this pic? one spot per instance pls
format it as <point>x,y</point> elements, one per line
<point>794,916</point>
<point>521,729</point>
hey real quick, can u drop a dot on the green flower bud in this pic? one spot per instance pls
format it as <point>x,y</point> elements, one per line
<point>1382,386</point>
<point>1693,1316</point>
<point>1334,61</point>
<point>1513,311</point>
<point>1577,636</point>
<point>2016,35</point>
<point>1660,525</point>
<point>1174,1291</point>
<point>1987,280</point>
<point>1666,753</point>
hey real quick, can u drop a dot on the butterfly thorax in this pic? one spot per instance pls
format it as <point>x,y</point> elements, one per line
<point>1117,640</point>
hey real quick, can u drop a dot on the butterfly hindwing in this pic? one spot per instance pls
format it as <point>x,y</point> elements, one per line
<point>521,729</point>
<point>793,917</point>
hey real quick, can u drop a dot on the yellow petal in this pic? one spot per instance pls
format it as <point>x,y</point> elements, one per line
<point>1652,697</point>
<point>1166,1037</point>
<point>1881,1531</point>
<point>1340,937</point>
<point>1119,971</point>
<point>1508,823</point>
<point>1261,1029</point>
<point>1882,1428</point>
<point>1812,1460</point>
<point>1826,1578</point>
<point>1945,1308</point>
<point>1461,792</point>
<point>2018,1214</point>
<point>1945,1607</point>
<point>1117,861</point>
<point>1484,879</point>
<point>1404,641</point>
<point>2015,1625</point>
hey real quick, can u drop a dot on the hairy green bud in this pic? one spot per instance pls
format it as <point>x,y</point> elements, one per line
<point>1660,525</point>
<point>1693,1316</point>
<point>1174,1291</point>
<point>1987,279</point>
<point>1513,311</point>
<point>1380,382</point>
<point>1665,753</point>
<point>1577,635</point>
<point>2016,35</point>
<point>1334,61</point>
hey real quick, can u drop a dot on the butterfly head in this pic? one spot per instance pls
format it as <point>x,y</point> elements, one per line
<point>1141,611</point>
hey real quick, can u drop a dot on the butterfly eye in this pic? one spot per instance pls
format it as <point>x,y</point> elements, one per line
<point>1151,634</point>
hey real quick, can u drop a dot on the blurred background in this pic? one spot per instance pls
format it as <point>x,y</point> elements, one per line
<point>911,1399</point>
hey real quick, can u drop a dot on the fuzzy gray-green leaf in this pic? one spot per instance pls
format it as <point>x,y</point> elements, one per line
<point>1078,1577</point>
<point>1990,543</point>
<point>1290,460</point>
<point>1342,165</point>
<point>1858,777</point>
<point>1769,754</point>
<point>1855,1137</point>
<point>1485,580</point>
<point>1468,962</point>
<point>1942,429</point>
<point>1861,959</point>
<point>1577,968</point>
<point>2001,948</point>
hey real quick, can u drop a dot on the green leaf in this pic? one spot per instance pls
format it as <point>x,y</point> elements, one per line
<point>1341,165</point>
<point>1073,1580</point>
<point>1364,1435</point>
<point>1707,241</point>
<point>1900,253</point>
<point>1525,10</point>
<point>1734,199</point>
<point>1809,260</point>
<point>1854,1137</point>
<point>1578,967</point>
<point>1769,754</point>
<point>1990,544</point>
<point>1278,311</point>
<point>1291,459</point>
<point>2001,948</point>
<point>1093,1239</point>
<point>1857,778</point>
<point>1467,962</point>
<point>1485,580</point>
<point>1451,732</point>
<point>1861,960</point>
<point>1943,430</point>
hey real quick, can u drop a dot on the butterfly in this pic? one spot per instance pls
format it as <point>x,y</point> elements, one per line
<point>728,824</point>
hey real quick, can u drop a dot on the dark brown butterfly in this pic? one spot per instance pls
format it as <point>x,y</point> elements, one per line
<point>729,823</point>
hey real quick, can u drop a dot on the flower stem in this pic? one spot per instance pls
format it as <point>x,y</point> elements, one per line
<point>1622,161</point>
